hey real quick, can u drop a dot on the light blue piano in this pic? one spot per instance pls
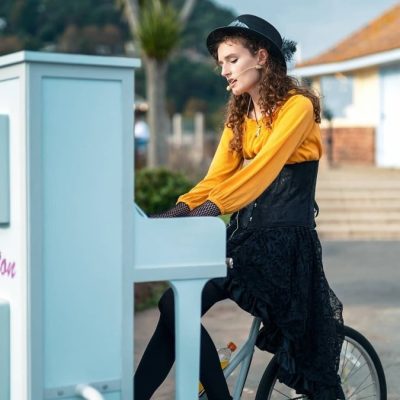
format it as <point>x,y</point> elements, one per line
<point>72,242</point>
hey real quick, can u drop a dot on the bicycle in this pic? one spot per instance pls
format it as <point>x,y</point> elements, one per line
<point>357,353</point>
<point>360,370</point>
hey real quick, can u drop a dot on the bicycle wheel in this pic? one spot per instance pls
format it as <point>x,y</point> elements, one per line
<point>360,370</point>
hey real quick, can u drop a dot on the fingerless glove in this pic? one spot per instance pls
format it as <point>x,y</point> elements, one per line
<point>207,209</point>
<point>179,210</point>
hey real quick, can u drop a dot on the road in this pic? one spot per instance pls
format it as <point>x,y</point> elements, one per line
<point>364,275</point>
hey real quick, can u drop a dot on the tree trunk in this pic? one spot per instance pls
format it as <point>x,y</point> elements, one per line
<point>186,11</point>
<point>131,12</point>
<point>156,71</point>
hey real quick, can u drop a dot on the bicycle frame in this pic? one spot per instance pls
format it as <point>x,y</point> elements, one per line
<point>243,357</point>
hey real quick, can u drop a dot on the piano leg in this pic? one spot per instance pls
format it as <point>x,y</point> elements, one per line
<point>187,340</point>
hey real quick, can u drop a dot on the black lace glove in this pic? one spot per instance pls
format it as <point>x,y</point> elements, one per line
<point>179,210</point>
<point>207,209</point>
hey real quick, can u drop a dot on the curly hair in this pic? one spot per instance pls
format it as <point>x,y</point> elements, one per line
<point>275,88</point>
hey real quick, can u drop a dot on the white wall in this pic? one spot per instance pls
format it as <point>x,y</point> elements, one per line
<point>366,95</point>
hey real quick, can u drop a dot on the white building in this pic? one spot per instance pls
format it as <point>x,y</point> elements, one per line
<point>359,80</point>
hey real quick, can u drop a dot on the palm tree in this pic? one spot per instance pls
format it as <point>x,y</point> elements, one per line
<point>156,27</point>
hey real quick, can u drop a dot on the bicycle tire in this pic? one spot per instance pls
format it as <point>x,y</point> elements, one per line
<point>266,389</point>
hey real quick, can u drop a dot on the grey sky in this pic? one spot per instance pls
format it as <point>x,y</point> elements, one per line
<point>315,24</point>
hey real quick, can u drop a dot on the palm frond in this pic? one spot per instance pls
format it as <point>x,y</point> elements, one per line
<point>159,29</point>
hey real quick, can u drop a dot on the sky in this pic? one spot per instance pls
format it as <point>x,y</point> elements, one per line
<point>316,25</point>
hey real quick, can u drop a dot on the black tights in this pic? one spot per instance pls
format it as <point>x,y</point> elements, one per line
<point>159,355</point>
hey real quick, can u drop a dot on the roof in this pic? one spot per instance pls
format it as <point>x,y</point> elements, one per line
<point>380,35</point>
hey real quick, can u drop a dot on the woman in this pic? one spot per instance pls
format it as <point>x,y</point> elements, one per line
<point>264,172</point>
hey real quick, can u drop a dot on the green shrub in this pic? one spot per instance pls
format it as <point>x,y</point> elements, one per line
<point>147,294</point>
<point>157,190</point>
<point>225,217</point>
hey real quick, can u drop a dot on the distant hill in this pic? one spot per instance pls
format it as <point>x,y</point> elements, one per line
<point>206,16</point>
<point>98,27</point>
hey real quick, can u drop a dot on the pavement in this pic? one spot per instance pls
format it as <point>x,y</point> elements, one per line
<point>364,275</point>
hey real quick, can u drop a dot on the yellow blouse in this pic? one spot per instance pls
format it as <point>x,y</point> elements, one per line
<point>293,138</point>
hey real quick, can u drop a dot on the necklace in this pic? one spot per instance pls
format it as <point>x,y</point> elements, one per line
<point>258,130</point>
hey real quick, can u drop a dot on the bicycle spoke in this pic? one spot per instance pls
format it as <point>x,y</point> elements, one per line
<point>359,390</point>
<point>366,387</point>
<point>283,394</point>
<point>344,359</point>
<point>366,397</point>
<point>355,392</point>
<point>354,364</point>
<point>345,352</point>
<point>289,396</point>
<point>357,370</point>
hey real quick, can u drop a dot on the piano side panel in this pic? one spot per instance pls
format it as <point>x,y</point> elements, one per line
<point>178,248</point>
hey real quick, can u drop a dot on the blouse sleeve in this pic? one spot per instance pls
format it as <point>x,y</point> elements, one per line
<point>224,164</point>
<point>294,122</point>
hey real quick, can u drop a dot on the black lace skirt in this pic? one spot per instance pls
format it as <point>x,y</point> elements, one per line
<point>278,276</point>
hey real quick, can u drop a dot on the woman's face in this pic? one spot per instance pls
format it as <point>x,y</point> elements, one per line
<point>238,66</point>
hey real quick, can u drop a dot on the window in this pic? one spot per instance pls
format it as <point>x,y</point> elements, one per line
<point>337,94</point>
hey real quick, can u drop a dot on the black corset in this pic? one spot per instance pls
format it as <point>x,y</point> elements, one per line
<point>288,201</point>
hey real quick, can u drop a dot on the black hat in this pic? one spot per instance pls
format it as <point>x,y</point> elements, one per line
<point>255,28</point>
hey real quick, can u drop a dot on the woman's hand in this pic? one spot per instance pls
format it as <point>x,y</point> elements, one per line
<point>207,209</point>
<point>179,210</point>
